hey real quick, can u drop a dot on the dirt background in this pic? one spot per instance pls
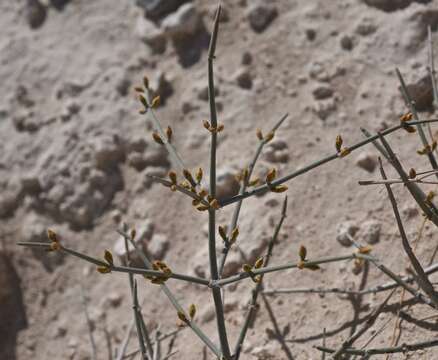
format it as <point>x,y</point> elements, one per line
<point>74,154</point>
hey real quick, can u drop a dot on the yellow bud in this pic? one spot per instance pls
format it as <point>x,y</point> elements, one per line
<point>302,253</point>
<point>54,246</point>
<point>338,143</point>
<point>279,188</point>
<point>157,138</point>
<point>155,102</point>
<point>301,264</point>
<point>234,234</point>
<point>133,233</point>
<point>269,136</point>
<point>271,175</point>
<point>259,134</point>
<point>254,182</point>
<point>169,133</point>
<point>246,268</point>
<point>406,117</point>
<point>103,269</point>
<point>109,257</point>
<point>364,249</point>
<point>173,187</point>
<point>198,175</point>
<point>259,263</point>
<point>202,207</point>
<point>344,152</point>
<point>430,196</point>
<point>182,316</point>
<point>192,311</point>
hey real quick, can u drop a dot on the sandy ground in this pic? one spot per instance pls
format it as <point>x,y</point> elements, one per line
<point>74,154</point>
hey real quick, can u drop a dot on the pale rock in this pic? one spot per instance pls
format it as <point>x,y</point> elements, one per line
<point>243,79</point>
<point>344,231</point>
<point>151,35</point>
<point>226,183</point>
<point>366,161</point>
<point>157,9</point>
<point>108,151</point>
<point>324,108</point>
<point>261,15</point>
<point>184,22</point>
<point>36,13</point>
<point>366,27</point>
<point>162,86</point>
<point>370,231</point>
<point>158,246</point>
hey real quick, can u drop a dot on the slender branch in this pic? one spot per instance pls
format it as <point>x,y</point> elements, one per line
<point>423,280</point>
<point>268,269</point>
<point>389,350</point>
<point>264,188</point>
<point>411,104</point>
<point>124,344</point>
<point>89,324</point>
<point>136,310</point>
<point>431,66</point>
<point>242,190</point>
<point>220,319</point>
<point>370,322</point>
<point>259,286</point>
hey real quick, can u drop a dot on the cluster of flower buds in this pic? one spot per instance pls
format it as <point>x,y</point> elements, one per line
<point>228,241</point>
<point>269,136</point>
<point>209,127</point>
<point>303,263</point>
<point>270,176</point>
<point>159,266</point>
<point>428,148</point>
<point>359,262</point>
<point>243,176</point>
<point>54,241</point>
<point>183,318</point>
<point>141,91</point>
<point>249,270</point>
<point>404,119</point>
<point>342,151</point>
<point>105,269</point>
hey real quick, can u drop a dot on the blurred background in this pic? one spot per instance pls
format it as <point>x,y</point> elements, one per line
<point>75,154</point>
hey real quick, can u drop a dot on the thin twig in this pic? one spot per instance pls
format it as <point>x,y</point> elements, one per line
<point>423,280</point>
<point>89,324</point>
<point>259,286</point>
<point>242,190</point>
<point>220,319</point>
<point>264,188</point>
<point>135,308</point>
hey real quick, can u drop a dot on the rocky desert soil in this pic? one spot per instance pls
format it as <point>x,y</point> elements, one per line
<point>75,155</point>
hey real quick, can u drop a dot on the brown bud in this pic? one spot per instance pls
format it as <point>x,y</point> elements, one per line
<point>146,82</point>
<point>54,246</point>
<point>143,100</point>
<point>219,128</point>
<point>202,193</point>
<point>338,143</point>
<point>271,175</point>
<point>108,257</point>
<point>202,207</point>
<point>173,187</point>
<point>214,204</point>
<point>169,133</point>
<point>157,138</point>
<point>430,196</point>
<point>195,202</point>
<point>254,182</point>
<point>51,235</point>
<point>188,175</point>
<point>172,177</point>
<point>139,89</point>
<point>222,233</point>
<point>133,233</point>
<point>302,253</point>
<point>312,267</point>
<point>259,134</point>
<point>364,249</point>
<point>207,125</point>
<point>406,117</point>
<point>412,173</point>
<point>142,111</point>
<point>434,144</point>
